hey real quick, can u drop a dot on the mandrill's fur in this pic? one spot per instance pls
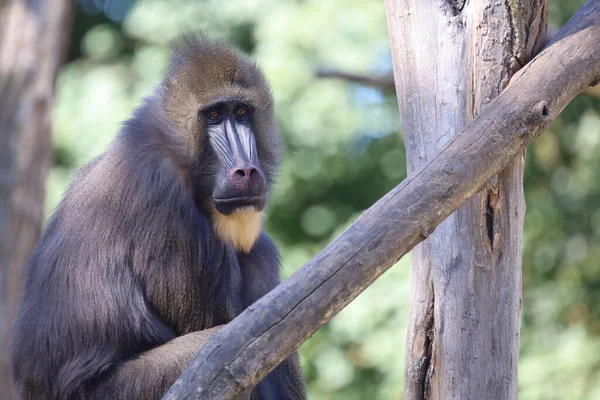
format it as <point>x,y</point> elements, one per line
<point>136,264</point>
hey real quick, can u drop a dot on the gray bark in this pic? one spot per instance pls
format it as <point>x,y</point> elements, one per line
<point>245,350</point>
<point>32,41</point>
<point>451,58</point>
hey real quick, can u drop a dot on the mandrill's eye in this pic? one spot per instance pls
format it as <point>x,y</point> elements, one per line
<point>242,113</point>
<point>213,116</point>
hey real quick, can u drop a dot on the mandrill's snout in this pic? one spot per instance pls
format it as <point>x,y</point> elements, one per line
<point>241,189</point>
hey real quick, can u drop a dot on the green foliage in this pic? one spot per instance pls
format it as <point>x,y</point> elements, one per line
<point>343,150</point>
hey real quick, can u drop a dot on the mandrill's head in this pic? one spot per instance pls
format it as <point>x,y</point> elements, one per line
<point>220,103</point>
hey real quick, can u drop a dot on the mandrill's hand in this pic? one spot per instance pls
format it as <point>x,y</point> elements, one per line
<point>176,354</point>
<point>198,338</point>
<point>187,346</point>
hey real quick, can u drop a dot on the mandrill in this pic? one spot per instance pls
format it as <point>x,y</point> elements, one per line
<point>158,241</point>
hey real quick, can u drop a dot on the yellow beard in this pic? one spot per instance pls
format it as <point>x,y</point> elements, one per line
<point>240,228</point>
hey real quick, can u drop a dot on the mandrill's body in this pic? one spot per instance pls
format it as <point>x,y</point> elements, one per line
<point>157,241</point>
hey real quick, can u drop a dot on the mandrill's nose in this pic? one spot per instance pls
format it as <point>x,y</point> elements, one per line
<point>240,187</point>
<point>245,174</point>
<point>248,178</point>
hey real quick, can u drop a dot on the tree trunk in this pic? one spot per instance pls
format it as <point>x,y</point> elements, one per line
<point>32,40</point>
<point>451,58</point>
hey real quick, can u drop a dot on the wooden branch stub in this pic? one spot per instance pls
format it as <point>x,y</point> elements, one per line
<point>383,82</point>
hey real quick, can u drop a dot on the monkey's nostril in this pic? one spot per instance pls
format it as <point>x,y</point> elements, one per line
<point>245,173</point>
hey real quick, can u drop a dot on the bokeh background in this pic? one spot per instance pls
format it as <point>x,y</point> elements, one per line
<point>344,150</point>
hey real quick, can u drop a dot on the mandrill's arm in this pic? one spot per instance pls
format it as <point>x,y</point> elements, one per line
<point>149,374</point>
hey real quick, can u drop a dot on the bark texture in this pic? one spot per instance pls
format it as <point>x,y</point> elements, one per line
<point>246,349</point>
<point>32,40</point>
<point>451,58</point>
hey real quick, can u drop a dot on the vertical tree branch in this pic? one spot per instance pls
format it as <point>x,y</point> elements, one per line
<point>33,36</point>
<point>450,60</point>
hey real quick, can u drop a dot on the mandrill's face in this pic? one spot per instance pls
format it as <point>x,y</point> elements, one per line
<point>222,108</point>
<point>240,184</point>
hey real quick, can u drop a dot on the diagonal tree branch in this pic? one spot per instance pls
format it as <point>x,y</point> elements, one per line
<point>245,350</point>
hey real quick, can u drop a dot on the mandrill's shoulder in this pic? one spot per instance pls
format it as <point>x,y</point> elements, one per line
<point>130,181</point>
